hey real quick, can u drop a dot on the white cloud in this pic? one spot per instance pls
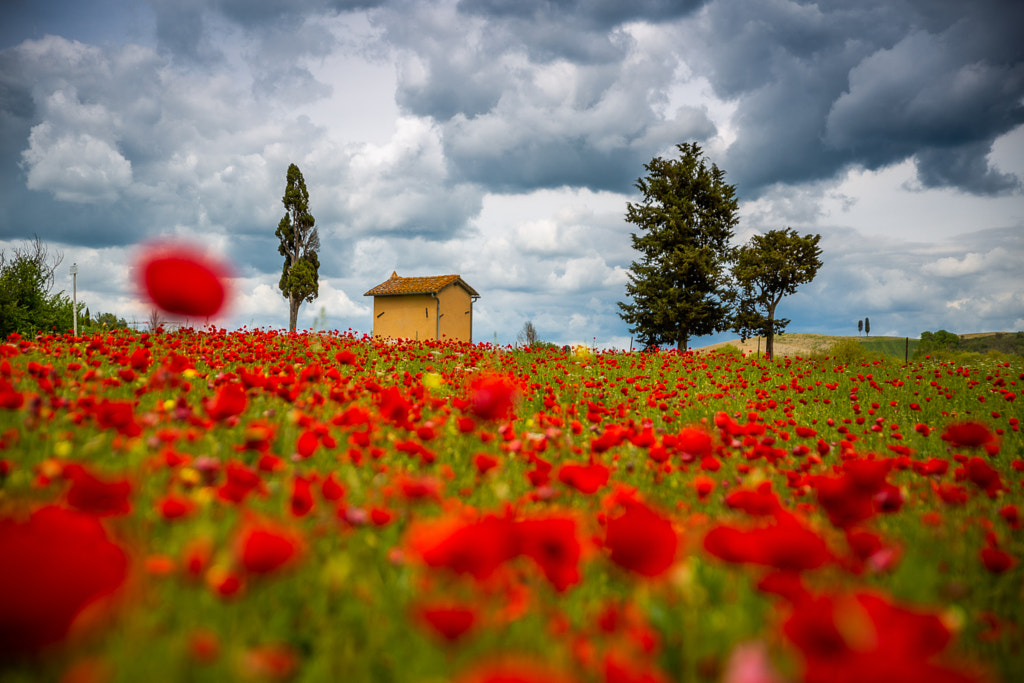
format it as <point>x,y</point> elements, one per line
<point>75,168</point>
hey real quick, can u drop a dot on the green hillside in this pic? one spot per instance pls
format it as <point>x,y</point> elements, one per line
<point>889,346</point>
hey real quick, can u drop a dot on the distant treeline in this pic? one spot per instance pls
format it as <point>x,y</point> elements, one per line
<point>943,341</point>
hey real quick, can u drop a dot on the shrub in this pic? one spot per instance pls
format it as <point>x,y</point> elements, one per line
<point>843,352</point>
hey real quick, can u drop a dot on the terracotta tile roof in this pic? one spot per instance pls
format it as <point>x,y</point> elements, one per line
<point>396,285</point>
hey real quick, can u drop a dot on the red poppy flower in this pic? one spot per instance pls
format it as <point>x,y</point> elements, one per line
<point>230,400</point>
<point>641,540</point>
<point>692,442</point>
<point>984,476</point>
<point>118,415</point>
<point>301,501</point>
<point>9,398</point>
<point>476,548</point>
<point>380,516</point>
<point>89,493</point>
<point>264,548</point>
<point>491,396</point>
<point>997,561</point>
<point>183,281</point>
<point>449,621</point>
<point>787,544</point>
<point>552,543</point>
<point>56,564</point>
<point>331,488</point>
<point>850,498</point>
<point>760,502</point>
<point>703,486</point>
<point>583,478</point>
<point>306,444</point>
<point>270,662</point>
<point>241,481</point>
<point>484,462</point>
<point>619,669</point>
<point>971,435</point>
<point>394,407</point>
<point>173,507</point>
<point>509,670</point>
<point>866,638</point>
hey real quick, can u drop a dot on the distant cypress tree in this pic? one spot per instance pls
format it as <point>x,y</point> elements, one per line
<point>300,242</point>
<point>860,326</point>
<point>867,326</point>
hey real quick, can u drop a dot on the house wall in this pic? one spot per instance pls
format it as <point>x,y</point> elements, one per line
<point>414,316</point>
<point>456,313</point>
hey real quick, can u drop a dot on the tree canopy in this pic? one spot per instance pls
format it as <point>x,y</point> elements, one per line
<point>26,304</point>
<point>679,285</point>
<point>767,268</point>
<point>300,242</point>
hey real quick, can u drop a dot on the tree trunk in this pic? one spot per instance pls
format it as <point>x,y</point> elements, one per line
<point>293,312</point>
<point>682,343</point>
<point>769,339</point>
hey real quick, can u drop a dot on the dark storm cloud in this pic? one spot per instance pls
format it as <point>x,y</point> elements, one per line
<point>255,13</point>
<point>181,30</point>
<point>824,86</point>
<point>516,115</point>
<point>594,15</point>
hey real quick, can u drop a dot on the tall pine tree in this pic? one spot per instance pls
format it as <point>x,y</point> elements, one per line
<point>679,285</point>
<point>300,242</point>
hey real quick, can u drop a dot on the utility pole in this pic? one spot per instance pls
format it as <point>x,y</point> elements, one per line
<point>74,295</point>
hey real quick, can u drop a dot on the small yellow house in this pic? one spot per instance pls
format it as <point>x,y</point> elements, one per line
<point>435,307</point>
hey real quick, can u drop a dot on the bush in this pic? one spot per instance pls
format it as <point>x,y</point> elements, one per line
<point>843,352</point>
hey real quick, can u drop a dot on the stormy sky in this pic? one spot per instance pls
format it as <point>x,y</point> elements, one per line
<point>501,140</point>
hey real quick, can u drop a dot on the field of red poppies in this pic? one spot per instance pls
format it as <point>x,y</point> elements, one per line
<point>215,506</point>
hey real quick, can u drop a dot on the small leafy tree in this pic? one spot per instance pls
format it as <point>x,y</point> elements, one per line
<point>768,268</point>
<point>932,342</point>
<point>686,217</point>
<point>860,326</point>
<point>110,321</point>
<point>300,242</point>
<point>528,335</point>
<point>26,304</point>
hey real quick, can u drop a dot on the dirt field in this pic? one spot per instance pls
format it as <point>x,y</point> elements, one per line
<point>789,344</point>
<point>803,344</point>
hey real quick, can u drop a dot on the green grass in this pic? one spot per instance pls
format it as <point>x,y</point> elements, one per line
<point>895,347</point>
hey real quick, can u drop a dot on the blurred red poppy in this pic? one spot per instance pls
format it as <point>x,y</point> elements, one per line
<point>641,540</point>
<point>513,670</point>
<point>301,500</point>
<point>174,506</point>
<point>552,543</point>
<point>997,561</point>
<point>56,563</point>
<point>787,544</point>
<point>450,621</point>
<point>477,548</point>
<point>971,435</point>
<point>492,396</point>
<point>90,494</point>
<point>264,548</point>
<point>181,280</point>
<point>583,478</point>
<point>865,637</point>
<point>230,400</point>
